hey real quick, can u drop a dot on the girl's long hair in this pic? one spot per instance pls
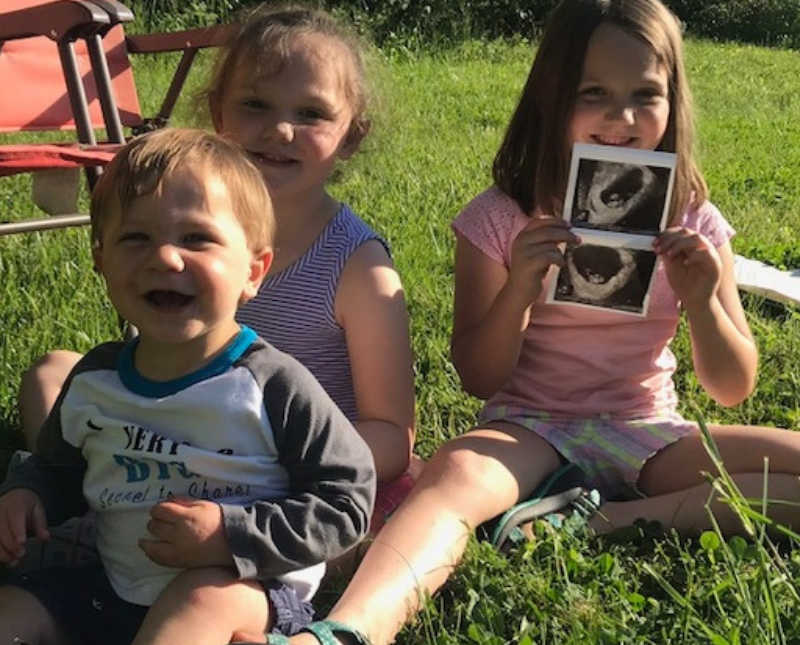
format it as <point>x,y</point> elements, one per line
<point>532,163</point>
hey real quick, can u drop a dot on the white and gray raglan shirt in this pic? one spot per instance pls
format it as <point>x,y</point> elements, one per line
<point>252,431</point>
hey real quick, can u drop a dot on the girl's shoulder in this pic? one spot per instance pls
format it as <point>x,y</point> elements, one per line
<point>491,204</point>
<point>491,221</point>
<point>707,219</point>
<point>352,231</point>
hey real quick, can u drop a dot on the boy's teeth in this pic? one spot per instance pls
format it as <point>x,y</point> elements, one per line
<point>168,299</point>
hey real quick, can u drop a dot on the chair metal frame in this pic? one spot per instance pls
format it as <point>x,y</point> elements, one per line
<point>67,21</point>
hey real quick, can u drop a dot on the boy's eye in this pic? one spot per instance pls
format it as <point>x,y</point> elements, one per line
<point>198,239</point>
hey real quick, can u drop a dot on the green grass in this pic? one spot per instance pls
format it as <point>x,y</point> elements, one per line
<point>442,118</point>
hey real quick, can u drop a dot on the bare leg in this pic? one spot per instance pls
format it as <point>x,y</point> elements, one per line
<point>470,479</point>
<point>678,491</point>
<point>22,616</point>
<point>207,606</point>
<point>39,390</point>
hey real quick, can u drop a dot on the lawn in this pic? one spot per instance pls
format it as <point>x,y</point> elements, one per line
<point>441,116</point>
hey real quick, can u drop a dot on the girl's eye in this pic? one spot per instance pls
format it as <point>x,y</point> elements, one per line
<point>592,93</point>
<point>312,114</point>
<point>132,237</point>
<point>254,104</point>
<point>648,96</point>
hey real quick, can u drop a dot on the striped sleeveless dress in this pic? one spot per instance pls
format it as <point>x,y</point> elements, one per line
<point>294,309</point>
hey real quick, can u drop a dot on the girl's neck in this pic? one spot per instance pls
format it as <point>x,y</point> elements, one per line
<point>299,223</point>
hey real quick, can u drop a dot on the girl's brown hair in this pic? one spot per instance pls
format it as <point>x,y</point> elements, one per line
<point>263,40</point>
<point>532,163</point>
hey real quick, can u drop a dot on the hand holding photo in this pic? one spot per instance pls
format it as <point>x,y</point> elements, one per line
<point>617,201</point>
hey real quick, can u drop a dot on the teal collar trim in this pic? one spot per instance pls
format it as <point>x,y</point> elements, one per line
<point>138,384</point>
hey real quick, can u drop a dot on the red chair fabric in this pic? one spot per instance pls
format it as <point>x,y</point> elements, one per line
<point>39,99</point>
<point>30,158</point>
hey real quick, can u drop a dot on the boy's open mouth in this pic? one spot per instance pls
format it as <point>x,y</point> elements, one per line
<point>167,300</point>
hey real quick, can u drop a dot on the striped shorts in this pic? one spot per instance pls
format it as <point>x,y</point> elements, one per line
<point>610,451</point>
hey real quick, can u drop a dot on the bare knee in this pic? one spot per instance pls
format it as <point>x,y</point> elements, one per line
<point>471,483</point>
<point>201,588</point>
<point>39,390</point>
<point>458,465</point>
<point>24,619</point>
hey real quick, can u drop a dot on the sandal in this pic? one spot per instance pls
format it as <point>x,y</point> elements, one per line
<point>324,631</point>
<point>563,493</point>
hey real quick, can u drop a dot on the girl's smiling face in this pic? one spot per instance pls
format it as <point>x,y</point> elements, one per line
<point>294,122</point>
<point>623,95</point>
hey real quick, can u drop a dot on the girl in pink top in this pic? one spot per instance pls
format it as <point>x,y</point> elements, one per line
<point>565,384</point>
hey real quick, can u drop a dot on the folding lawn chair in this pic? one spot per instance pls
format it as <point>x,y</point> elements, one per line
<point>67,62</point>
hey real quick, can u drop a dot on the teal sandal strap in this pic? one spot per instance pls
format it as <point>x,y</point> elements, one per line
<point>566,476</point>
<point>324,631</point>
<point>277,639</point>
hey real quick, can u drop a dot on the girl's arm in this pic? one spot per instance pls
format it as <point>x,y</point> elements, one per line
<point>492,306</point>
<point>489,321</point>
<point>371,308</point>
<point>724,354</point>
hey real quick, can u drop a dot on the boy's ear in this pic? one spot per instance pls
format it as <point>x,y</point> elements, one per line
<point>259,266</point>
<point>353,139</point>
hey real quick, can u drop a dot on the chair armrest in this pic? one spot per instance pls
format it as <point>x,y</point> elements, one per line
<point>180,40</point>
<point>116,11</point>
<point>55,20</point>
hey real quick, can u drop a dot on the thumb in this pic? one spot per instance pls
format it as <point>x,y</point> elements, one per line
<point>39,522</point>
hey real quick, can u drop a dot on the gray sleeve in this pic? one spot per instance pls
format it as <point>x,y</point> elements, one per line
<point>331,482</point>
<point>55,471</point>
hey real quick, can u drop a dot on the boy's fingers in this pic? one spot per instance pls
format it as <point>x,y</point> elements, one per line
<point>159,552</point>
<point>7,556</point>
<point>159,528</point>
<point>166,511</point>
<point>39,522</point>
<point>11,547</point>
<point>17,525</point>
<point>8,546</point>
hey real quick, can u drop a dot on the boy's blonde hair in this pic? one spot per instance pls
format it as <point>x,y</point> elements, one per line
<point>263,41</point>
<point>532,163</point>
<point>140,167</point>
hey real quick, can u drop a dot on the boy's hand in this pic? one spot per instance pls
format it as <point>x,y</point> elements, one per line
<point>21,512</point>
<point>692,263</point>
<point>187,533</point>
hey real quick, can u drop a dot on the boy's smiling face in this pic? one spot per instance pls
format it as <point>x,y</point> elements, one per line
<point>177,264</point>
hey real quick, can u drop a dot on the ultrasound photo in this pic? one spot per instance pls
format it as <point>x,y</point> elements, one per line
<point>616,196</point>
<point>617,202</point>
<point>608,277</point>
